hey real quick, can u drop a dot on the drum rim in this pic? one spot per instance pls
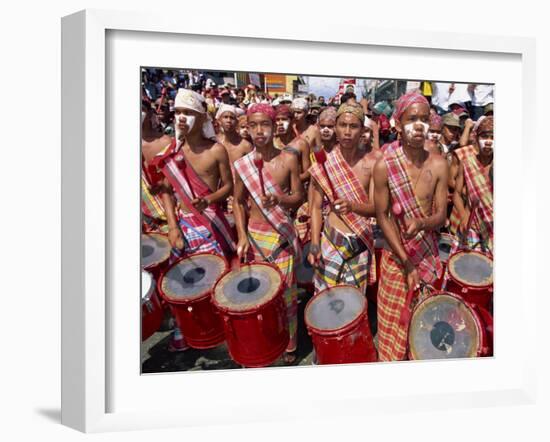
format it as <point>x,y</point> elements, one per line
<point>149,294</point>
<point>156,263</point>
<point>200,296</point>
<point>459,280</point>
<point>254,309</point>
<point>334,331</point>
<point>469,306</point>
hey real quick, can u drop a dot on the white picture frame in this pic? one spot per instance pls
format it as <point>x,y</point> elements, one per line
<point>88,235</point>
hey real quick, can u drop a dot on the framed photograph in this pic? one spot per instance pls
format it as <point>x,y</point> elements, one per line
<point>119,375</point>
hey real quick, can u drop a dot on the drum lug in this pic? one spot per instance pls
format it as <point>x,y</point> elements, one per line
<point>464,290</point>
<point>149,306</point>
<point>260,317</point>
<point>190,309</point>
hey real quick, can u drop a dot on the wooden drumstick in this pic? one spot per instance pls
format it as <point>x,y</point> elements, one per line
<point>259,163</point>
<point>475,203</point>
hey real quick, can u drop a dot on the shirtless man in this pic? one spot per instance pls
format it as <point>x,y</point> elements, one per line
<point>266,231</point>
<point>474,188</point>
<point>285,139</point>
<point>343,253</point>
<point>433,140</point>
<point>410,195</point>
<point>233,142</point>
<point>242,127</point>
<point>197,176</point>
<point>300,126</point>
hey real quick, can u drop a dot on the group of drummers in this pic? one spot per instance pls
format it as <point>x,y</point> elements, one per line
<point>245,209</point>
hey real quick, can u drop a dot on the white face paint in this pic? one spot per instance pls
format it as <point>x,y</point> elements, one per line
<point>433,136</point>
<point>285,125</point>
<point>410,128</point>
<point>486,143</point>
<point>243,133</point>
<point>143,115</point>
<point>327,132</point>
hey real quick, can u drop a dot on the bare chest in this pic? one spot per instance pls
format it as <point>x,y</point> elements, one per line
<point>280,172</point>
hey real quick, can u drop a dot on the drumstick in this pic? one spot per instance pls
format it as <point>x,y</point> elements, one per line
<point>259,163</point>
<point>475,203</point>
<point>321,158</point>
<point>406,311</point>
<point>163,94</point>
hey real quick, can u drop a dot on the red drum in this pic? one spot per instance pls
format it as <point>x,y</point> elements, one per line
<point>338,324</point>
<point>250,300</point>
<point>155,252</point>
<point>445,245</point>
<point>187,287</point>
<point>444,326</point>
<point>304,271</point>
<point>470,275</point>
<point>151,310</point>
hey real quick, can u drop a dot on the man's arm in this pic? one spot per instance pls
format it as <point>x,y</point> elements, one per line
<point>303,147</point>
<point>240,197</point>
<point>316,220</point>
<point>296,196</point>
<point>463,211</point>
<point>382,205</point>
<point>174,233</point>
<point>465,137</point>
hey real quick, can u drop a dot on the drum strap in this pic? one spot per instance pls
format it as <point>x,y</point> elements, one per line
<point>273,256</point>
<point>355,246</point>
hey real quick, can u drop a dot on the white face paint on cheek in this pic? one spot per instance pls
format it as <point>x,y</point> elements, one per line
<point>190,121</point>
<point>285,125</point>
<point>243,133</point>
<point>434,136</point>
<point>486,143</point>
<point>328,133</point>
<point>410,128</point>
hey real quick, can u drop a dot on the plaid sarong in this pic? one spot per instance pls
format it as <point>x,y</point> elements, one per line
<point>185,181</point>
<point>422,249</point>
<point>347,187</point>
<point>273,245</point>
<point>479,187</point>
<point>280,221</point>
<point>153,216</point>
<point>392,291</point>
<point>338,263</point>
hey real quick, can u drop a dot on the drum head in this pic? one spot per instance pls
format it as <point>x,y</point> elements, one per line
<point>147,285</point>
<point>335,308</point>
<point>248,287</point>
<point>304,272</point>
<point>192,277</point>
<point>155,249</point>
<point>472,269</point>
<point>445,244</point>
<point>443,327</point>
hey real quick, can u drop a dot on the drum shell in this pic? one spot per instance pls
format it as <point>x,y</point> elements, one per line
<point>257,337</point>
<point>478,296</point>
<point>151,315</point>
<point>484,323</point>
<point>438,284</point>
<point>197,319</point>
<point>349,344</point>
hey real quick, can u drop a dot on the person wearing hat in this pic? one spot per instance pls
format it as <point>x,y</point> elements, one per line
<point>300,126</point>
<point>233,142</point>
<point>261,206</point>
<point>450,134</point>
<point>196,175</point>
<point>472,166</point>
<point>313,114</point>
<point>410,196</point>
<point>342,247</point>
